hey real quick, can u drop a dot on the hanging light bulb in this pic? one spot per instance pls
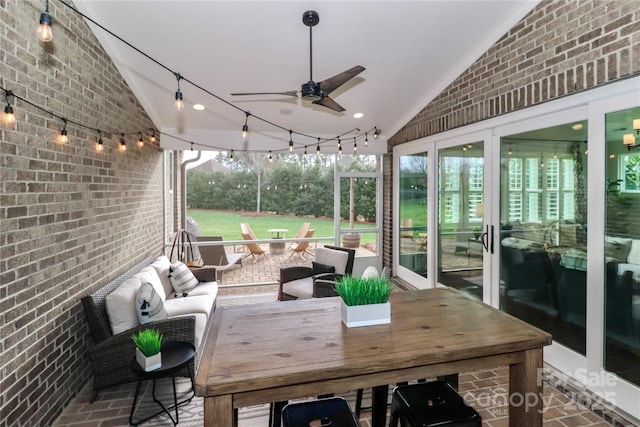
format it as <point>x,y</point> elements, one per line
<point>99,144</point>
<point>290,141</point>
<point>63,137</point>
<point>305,152</point>
<point>355,145</point>
<point>270,157</point>
<point>8,118</point>
<point>141,141</point>
<point>376,132</point>
<point>366,139</point>
<point>231,156</point>
<point>318,147</point>
<point>245,127</point>
<point>123,144</point>
<point>152,138</point>
<point>179,104</point>
<point>45,32</point>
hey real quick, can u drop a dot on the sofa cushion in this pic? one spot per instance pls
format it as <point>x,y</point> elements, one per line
<point>301,288</point>
<point>338,259</point>
<point>634,253</point>
<point>189,305</point>
<point>205,288</point>
<point>162,266</point>
<point>149,305</point>
<point>121,306</point>
<point>182,279</point>
<point>201,326</point>
<point>150,275</point>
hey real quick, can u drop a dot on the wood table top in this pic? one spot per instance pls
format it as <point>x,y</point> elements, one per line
<point>260,346</point>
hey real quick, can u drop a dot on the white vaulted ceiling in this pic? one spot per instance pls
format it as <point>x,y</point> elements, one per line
<point>411,50</point>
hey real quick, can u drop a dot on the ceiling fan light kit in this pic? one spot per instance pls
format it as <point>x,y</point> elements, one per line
<point>316,93</point>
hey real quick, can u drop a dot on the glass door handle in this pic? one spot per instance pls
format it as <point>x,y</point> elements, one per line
<point>485,239</point>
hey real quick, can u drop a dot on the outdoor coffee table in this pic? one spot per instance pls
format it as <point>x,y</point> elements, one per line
<point>175,356</point>
<point>277,248</point>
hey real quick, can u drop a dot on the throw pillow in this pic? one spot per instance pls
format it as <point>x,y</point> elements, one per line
<point>182,279</point>
<point>149,304</point>
<point>370,272</point>
<point>121,306</point>
<point>319,268</point>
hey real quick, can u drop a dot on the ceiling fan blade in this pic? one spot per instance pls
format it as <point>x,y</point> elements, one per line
<point>289,93</point>
<point>332,83</point>
<point>325,101</point>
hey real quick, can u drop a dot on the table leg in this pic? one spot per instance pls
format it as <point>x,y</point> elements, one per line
<point>526,403</point>
<point>379,399</point>
<point>218,411</point>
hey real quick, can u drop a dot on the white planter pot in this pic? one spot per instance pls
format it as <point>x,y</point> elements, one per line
<point>364,315</point>
<point>148,363</point>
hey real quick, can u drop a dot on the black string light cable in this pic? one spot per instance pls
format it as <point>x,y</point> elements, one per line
<point>180,77</point>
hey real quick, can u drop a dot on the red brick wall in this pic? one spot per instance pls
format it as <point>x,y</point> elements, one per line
<point>70,218</point>
<point>561,47</point>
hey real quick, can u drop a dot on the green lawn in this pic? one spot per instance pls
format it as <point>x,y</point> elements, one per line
<point>227,224</point>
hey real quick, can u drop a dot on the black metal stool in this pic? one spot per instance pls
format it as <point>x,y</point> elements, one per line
<point>430,404</point>
<point>333,411</point>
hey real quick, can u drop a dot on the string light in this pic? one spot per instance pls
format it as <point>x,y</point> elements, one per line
<point>366,139</point>
<point>339,147</point>
<point>376,133</point>
<point>123,144</point>
<point>245,127</point>
<point>231,156</point>
<point>8,118</point>
<point>270,157</point>
<point>179,104</point>
<point>318,147</point>
<point>45,32</point>
<point>141,141</point>
<point>63,137</point>
<point>152,138</point>
<point>290,141</point>
<point>99,144</point>
<point>305,152</point>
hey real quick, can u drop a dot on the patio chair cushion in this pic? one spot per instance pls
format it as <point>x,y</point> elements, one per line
<point>301,288</point>
<point>338,259</point>
<point>121,305</point>
<point>182,279</point>
<point>149,305</point>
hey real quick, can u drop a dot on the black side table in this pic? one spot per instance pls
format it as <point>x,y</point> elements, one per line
<point>175,356</point>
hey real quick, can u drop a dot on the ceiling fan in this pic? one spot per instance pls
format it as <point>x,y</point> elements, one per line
<point>317,93</point>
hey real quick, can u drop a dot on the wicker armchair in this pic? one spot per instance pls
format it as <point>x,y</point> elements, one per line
<point>301,282</point>
<point>111,355</point>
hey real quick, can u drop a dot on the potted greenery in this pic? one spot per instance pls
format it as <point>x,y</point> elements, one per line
<point>365,301</point>
<point>148,343</point>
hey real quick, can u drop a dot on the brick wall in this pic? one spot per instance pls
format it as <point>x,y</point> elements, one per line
<point>70,218</point>
<point>561,47</point>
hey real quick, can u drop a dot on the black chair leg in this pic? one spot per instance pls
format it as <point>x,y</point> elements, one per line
<point>358,403</point>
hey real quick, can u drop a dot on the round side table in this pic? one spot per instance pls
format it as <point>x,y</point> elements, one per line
<point>176,355</point>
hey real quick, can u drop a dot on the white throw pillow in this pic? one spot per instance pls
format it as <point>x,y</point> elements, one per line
<point>634,254</point>
<point>370,272</point>
<point>121,306</point>
<point>182,279</point>
<point>162,266</point>
<point>149,305</point>
<point>149,274</point>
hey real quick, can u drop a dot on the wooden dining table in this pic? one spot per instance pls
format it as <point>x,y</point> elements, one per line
<point>262,353</point>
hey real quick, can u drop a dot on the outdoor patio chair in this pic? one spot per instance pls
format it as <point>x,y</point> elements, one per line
<point>216,256</point>
<point>332,262</point>
<point>301,233</point>
<point>254,249</point>
<point>300,248</point>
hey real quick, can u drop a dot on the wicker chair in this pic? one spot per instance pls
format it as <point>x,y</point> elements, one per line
<point>111,355</point>
<point>309,283</point>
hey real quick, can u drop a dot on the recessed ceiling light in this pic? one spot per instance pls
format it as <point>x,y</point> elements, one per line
<point>358,115</point>
<point>198,107</point>
<point>577,126</point>
<point>285,111</point>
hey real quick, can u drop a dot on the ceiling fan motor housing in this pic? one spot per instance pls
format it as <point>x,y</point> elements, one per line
<point>311,91</point>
